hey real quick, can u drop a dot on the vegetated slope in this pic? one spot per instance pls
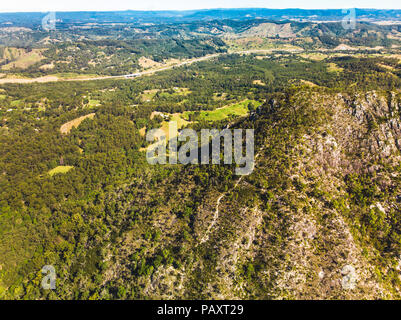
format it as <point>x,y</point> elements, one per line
<point>321,201</point>
<point>192,34</point>
<point>120,49</point>
<point>317,219</point>
<point>112,57</point>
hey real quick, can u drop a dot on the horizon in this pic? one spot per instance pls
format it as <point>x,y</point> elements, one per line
<point>200,9</point>
<point>25,6</point>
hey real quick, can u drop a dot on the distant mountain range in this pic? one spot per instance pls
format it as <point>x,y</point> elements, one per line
<point>33,19</point>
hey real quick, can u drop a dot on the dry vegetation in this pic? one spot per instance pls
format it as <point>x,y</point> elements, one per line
<point>66,127</point>
<point>21,58</point>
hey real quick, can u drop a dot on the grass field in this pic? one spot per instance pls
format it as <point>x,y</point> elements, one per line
<point>16,103</point>
<point>93,103</point>
<point>180,123</point>
<point>66,127</point>
<point>309,83</point>
<point>237,109</point>
<point>142,131</point>
<point>315,56</point>
<point>60,169</point>
<point>25,60</point>
<point>332,67</point>
<point>148,95</point>
<point>259,82</point>
<point>146,63</point>
<point>10,53</point>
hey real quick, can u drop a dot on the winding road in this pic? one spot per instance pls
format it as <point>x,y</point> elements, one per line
<point>53,78</point>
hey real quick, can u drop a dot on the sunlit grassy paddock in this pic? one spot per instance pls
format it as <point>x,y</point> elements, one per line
<point>238,109</point>
<point>60,169</point>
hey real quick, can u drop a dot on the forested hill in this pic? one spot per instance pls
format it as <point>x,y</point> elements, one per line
<point>117,49</point>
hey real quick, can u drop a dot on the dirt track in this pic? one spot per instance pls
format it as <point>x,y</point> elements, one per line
<point>140,74</point>
<point>51,78</point>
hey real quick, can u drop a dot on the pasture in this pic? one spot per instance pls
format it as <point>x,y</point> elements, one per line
<point>66,127</point>
<point>238,109</point>
<point>60,169</point>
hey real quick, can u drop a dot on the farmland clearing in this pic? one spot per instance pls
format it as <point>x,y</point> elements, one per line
<point>60,169</point>
<point>66,127</point>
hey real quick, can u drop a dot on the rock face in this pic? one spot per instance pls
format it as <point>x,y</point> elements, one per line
<point>317,219</point>
<point>318,228</point>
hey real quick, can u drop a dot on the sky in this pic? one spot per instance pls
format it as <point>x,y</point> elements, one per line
<point>110,5</point>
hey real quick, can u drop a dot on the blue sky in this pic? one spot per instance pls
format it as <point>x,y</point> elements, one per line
<point>102,5</point>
